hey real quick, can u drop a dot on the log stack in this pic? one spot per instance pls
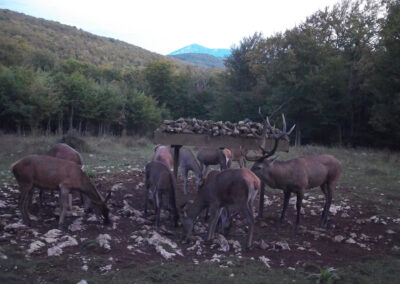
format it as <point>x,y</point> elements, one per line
<point>219,128</point>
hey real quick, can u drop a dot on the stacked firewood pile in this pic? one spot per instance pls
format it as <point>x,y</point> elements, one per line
<point>219,128</point>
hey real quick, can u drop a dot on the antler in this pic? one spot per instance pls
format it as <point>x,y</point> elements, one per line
<point>267,125</point>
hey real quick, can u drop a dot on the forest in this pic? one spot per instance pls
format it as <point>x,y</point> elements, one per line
<point>336,76</point>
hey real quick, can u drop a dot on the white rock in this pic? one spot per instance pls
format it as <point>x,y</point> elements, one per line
<point>338,239</point>
<point>282,245</point>
<point>82,282</point>
<point>36,245</point>
<point>3,204</point>
<point>103,240</point>
<point>67,241</point>
<point>3,256</point>
<point>54,233</point>
<point>350,241</point>
<point>106,268</point>
<point>54,251</point>
<point>223,243</point>
<point>390,232</point>
<point>265,260</point>
<point>14,226</point>
<point>85,267</point>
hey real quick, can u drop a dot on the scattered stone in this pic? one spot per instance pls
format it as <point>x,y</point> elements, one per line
<point>350,241</point>
<point>14,226</point>
<point>338,238</point>
<point>54,251</point>
<point>159,241</point>
<point>36,245</point>
<point>265,260</point>
<point>390,232</point>
<point>263,245</point>
<point>82,282</point>
<point>103,241</point>
<point>222,243</point>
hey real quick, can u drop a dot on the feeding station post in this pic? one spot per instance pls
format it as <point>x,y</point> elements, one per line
<point>173,136</point>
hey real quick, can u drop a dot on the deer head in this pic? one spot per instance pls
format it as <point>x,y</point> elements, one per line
<point>284,134</point>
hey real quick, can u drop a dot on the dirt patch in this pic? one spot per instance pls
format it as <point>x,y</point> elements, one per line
<point>355,233</point>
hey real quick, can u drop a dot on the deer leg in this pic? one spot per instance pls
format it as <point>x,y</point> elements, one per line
<point>248,214</point>
<point>328,197</point>
<point>23,203</point>
<point>158,203</point>
<point>185,179</point>
<point>172,203</point>
<point>40,197</point>
<point>205,170</point>
<point>213,223</point>
<point>70,202</point>
<point>64,196</point>
<point>285,205</point>
<point>299,201</point>
<point>244,162</point>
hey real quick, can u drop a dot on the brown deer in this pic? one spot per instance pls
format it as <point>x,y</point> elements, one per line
<point>65,152</point>
<point>163,155</point>
<point>160,181</point>
<point>297,175</point>
<point>187,162</point>
<point>239,156</point>
<point>51,173</point>
<point>231,187</point>
<point>211,156</point>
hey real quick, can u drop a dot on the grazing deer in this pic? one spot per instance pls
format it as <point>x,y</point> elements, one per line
<point>65,152</point>
<point>232,187</point>
<point>163,155</point>
<point>51,173</point>
<point>160,181</point>
<point>211,156</point>
<point>187,162</point>
<point>239,155</point>
<point>297,175</point>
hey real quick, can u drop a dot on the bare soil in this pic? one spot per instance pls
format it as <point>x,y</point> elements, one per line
<point>355,232</point>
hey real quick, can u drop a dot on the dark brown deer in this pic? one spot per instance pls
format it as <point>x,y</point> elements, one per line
<point>51,173</point>
<point>159,182</point>
<point>232,187</point>
<point>187,162</point>
<point>163,155</point>
<point>297,175</point>
<point>211,156</point>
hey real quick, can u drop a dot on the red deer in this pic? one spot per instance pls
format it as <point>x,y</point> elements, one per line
<point>297,175</point>
<point>65,152</point>
<point>163,155</point>
<point>211,156</point>
<point>232,187</point>
<point>228,157</point>
<point>238,155</point>
<point>187,162</point>
<point>55,174</point>
<point>160,181</point>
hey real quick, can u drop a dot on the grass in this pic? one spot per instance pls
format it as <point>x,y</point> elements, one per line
<point>370,177</point>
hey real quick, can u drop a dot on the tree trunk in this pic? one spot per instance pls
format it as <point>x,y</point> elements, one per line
<point>48,128</point>
<point>60,126</point>
<point>71,119</point>
<point>340,135</point>
<point>297,140</point>
<point>80,127</point>
<point>19,129</point>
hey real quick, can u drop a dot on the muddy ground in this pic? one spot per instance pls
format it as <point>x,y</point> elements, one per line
<point>355,232</point>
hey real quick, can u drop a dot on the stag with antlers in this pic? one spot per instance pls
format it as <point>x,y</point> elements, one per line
<point>296,175</point>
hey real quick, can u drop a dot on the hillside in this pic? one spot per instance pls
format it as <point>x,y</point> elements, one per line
<point>201,59</point>
<point>19,31</point>
<point>196,48</point>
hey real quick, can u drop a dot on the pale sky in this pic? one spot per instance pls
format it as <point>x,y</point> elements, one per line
<point>164,26</point>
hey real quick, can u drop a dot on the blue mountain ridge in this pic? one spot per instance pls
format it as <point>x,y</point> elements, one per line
<point>196,48</point>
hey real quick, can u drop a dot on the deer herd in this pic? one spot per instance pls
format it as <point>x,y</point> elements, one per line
<point>219,193</point>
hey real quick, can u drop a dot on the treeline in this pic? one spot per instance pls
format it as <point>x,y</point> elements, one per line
<point>336,76</point>
<point>76,96</point>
